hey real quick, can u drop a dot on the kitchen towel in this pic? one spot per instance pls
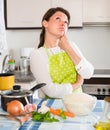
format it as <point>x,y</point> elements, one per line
<point>77,123</point>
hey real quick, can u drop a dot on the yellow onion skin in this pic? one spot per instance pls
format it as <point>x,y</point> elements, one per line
<point>15,108</point>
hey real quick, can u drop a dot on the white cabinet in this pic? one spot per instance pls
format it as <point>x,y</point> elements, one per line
<point>75,9</point>
<point>97,11</point>
<point>25,13</point>
<point>28,13</point>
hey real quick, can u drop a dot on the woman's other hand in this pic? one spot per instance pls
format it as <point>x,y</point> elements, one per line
<point>78,83</point>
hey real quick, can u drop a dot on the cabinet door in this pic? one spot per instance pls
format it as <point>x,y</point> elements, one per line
<point>25,13</point>
<point>75,9</point>
<point>96,11</point>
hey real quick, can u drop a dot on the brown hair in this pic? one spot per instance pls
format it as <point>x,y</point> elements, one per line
<point>46,17</point>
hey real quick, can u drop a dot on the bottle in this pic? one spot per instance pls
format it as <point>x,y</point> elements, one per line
<point>104,121</point>
<point>11,64</point>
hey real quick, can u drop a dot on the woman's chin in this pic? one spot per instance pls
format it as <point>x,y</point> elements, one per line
<point>60,35</point>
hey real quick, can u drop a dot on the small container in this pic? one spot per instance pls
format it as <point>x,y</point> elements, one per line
<point>25,65</point>
<point>104,121</point>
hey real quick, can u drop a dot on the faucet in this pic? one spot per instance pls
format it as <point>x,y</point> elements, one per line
<point>4,70</point>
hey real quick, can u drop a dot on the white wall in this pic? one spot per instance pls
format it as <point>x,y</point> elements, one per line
<point>94,42</point>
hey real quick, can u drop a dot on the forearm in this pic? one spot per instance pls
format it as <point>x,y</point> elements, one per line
<point>78,82</point>
<point>73,55</point>
<point>65,45</point>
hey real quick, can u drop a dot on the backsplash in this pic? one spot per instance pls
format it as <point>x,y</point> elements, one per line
<point>93,41</point>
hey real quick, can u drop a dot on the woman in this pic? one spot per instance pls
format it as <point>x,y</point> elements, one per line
<point>58,62</point>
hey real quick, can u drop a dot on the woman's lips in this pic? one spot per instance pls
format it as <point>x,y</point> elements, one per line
<point>62,29</point>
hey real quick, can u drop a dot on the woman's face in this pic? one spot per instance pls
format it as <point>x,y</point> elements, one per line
<point>57,24</point>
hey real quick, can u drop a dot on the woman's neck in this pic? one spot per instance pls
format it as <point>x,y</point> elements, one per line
<point>51,43</point>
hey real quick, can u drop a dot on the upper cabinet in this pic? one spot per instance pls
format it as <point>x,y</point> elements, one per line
<point>96,11</point>
<point>27,14</point>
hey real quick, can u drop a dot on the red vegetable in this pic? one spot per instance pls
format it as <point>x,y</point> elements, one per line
<point>15,108</point>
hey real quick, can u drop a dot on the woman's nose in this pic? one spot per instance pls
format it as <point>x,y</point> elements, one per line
<point>63,22</point>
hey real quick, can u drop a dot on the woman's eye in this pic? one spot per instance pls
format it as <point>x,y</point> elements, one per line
<point>58,18</point>
<point>66,22</point>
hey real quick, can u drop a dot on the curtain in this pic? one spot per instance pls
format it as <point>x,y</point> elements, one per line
<point>3,43</point>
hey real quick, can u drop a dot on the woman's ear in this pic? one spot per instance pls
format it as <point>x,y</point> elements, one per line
<point>44,23</point>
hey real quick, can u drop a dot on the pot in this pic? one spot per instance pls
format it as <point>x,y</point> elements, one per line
<point>17,94</point>
<point>7,81</point>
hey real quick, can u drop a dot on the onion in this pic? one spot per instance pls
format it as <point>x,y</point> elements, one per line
<point>15,108</point>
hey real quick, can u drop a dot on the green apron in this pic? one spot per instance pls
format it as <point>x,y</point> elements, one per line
<point>62,69</point>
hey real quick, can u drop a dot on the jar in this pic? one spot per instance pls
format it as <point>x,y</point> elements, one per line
<point>104,121</point>
<point>25,65</point>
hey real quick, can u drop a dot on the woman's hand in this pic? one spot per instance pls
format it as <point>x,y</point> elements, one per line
<point>64,43</point>
<point>78,82</point>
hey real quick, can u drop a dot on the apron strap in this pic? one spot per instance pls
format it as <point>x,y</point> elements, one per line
<point>47,50</point>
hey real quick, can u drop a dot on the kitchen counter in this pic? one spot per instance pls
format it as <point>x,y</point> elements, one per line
<point>76,123</point>
<point>24,78</point>
<point>102,73</point>
<point>26,85</point>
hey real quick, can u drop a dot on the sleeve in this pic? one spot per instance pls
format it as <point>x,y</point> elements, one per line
<point>40,70</point>
<point>84,68</point>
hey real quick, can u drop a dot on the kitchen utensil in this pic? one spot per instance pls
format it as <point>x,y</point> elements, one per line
<point>25,65</point>
<point>25,52</point>
<point>26,100</point>
<point>25,60</point>
<point>7,81</point>
<point>17,94</point>
<point>29,107</point>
